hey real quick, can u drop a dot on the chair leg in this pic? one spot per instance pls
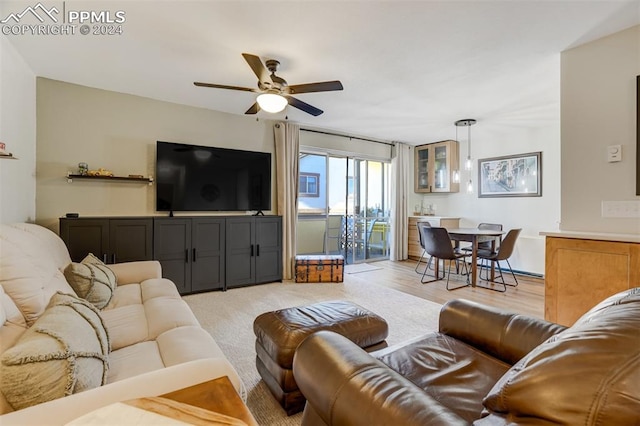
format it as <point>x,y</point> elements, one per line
<point>424,274</point>
<point>488,281</point>
<point>420,261</point>
<point>449,275</point>
<point>512,274</point>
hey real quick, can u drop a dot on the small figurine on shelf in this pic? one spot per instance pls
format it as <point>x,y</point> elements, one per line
<point>100,172</point>
<point>4,153</point>
<point>83,168</point>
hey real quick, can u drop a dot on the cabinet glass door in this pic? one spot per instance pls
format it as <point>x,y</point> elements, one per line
<point>441,169</point>
<point>422,170</point>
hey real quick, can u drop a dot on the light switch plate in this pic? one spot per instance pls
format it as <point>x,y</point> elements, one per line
<point>614,153</point>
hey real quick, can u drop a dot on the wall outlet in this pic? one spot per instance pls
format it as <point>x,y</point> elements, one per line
<point>621,209</point>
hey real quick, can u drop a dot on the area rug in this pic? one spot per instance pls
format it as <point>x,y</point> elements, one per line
<point>228,317</point>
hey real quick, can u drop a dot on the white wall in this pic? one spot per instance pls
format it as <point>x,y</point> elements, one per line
<point>18,132</point>
<point>599,109</point>
<point>118,132</point>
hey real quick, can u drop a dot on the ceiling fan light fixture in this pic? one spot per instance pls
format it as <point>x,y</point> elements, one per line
<point>271,102</point>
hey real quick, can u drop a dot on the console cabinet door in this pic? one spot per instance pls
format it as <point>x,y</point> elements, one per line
<point>130,240</point>
<point>83,236</point>
<point>172,248</point>
<point>110,240</point>
<point>268,249</point>
<point>207,254</point>
<point>240,250</point>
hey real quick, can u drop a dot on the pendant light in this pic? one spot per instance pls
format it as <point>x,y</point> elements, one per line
<point>468,165</point>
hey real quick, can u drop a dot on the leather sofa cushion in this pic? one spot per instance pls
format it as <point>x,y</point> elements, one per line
<point>64,352</point>
<point>588,374</point>
<point>450,371</point>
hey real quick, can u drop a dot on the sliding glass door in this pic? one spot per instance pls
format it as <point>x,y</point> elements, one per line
<point>343,207</point>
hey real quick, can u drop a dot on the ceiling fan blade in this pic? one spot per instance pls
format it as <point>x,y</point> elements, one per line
<point>222,86</point>
<point>324,86</point>
<point>254,109</point>
<point>309,109</point>
<point>256,65</point>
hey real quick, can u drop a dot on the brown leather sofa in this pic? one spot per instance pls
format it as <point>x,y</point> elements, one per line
<point>484,366</point>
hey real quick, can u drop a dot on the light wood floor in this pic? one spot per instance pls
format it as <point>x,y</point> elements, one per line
<point>527,298</point>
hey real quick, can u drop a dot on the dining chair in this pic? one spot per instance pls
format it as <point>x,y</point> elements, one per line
<point>485,245</point>
<point>504,252</point>
<point>419,225</point>
<point>437,244</point>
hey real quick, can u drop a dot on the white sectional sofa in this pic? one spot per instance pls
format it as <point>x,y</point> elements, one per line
<point>156,343</point>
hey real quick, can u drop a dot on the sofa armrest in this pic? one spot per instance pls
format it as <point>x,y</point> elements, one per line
<point>63,410</point>
<point>343,384</point>
<point>136,272</point>
<point>500,333</point>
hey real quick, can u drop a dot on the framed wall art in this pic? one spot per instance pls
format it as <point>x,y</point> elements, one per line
<point>510,176</point>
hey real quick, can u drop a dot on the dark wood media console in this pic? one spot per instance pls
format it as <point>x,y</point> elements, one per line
<point>198,253</point>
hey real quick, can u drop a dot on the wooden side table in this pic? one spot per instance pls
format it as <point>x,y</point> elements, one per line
<point>217,395</point>
<point>215,402</point>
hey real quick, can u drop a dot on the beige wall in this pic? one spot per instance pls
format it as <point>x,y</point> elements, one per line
<point>118,132</point>
<point>598,110</point>
<point>18,132</point>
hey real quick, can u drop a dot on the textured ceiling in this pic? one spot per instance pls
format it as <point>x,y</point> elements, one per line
<point>409,69</point>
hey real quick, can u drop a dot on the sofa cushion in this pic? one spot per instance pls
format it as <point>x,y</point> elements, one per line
<point>602,349</point>
<point>92,280</point>
<point>32,259</point>
<point>127,325</point>
<point>64,352</point>
<point>455,374</point>
<point>134,360</point>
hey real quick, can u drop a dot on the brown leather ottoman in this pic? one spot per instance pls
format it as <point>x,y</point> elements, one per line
<point>279,333</point>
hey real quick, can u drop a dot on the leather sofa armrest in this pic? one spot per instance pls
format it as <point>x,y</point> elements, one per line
<point>498,332</point>
<point>136,272</point>
<point>343,384</point>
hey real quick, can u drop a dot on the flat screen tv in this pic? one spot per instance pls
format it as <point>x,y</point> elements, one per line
<point>204,178</point>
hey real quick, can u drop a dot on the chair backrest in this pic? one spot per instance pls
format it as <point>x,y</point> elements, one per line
<point>420,225</point>
<point>437,243</point>
<point>488,245</point>
<point>507,245</point>
<point>490,226</point>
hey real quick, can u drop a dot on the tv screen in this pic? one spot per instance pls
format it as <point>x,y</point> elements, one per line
<point>204,178</point>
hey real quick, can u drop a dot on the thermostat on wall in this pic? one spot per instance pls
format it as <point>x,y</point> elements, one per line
<point>614,153</point>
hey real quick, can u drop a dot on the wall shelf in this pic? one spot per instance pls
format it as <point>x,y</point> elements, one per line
<point>148,180</point>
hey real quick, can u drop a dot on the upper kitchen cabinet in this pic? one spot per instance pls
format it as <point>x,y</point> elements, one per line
<point>435,165</point>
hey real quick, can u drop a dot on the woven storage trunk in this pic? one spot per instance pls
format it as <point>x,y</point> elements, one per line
<point>320,269</point>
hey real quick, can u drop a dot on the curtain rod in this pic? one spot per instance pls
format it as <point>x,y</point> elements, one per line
<point>322,132</point>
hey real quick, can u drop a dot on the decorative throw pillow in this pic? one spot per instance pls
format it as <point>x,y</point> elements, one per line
<point>91,258</point>
<point>92,280</point>
<point>64,352</point>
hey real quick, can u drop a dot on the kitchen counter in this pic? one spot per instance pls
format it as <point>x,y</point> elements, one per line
<point>599,236</point>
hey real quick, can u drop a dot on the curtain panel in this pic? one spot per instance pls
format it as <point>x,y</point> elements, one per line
<point>401,166</point>
<point>287,148</point>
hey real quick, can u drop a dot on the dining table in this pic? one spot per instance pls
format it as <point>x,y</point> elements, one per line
<point>475,236</point>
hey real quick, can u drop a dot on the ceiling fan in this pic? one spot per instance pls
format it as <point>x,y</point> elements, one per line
<point>274,91</point>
